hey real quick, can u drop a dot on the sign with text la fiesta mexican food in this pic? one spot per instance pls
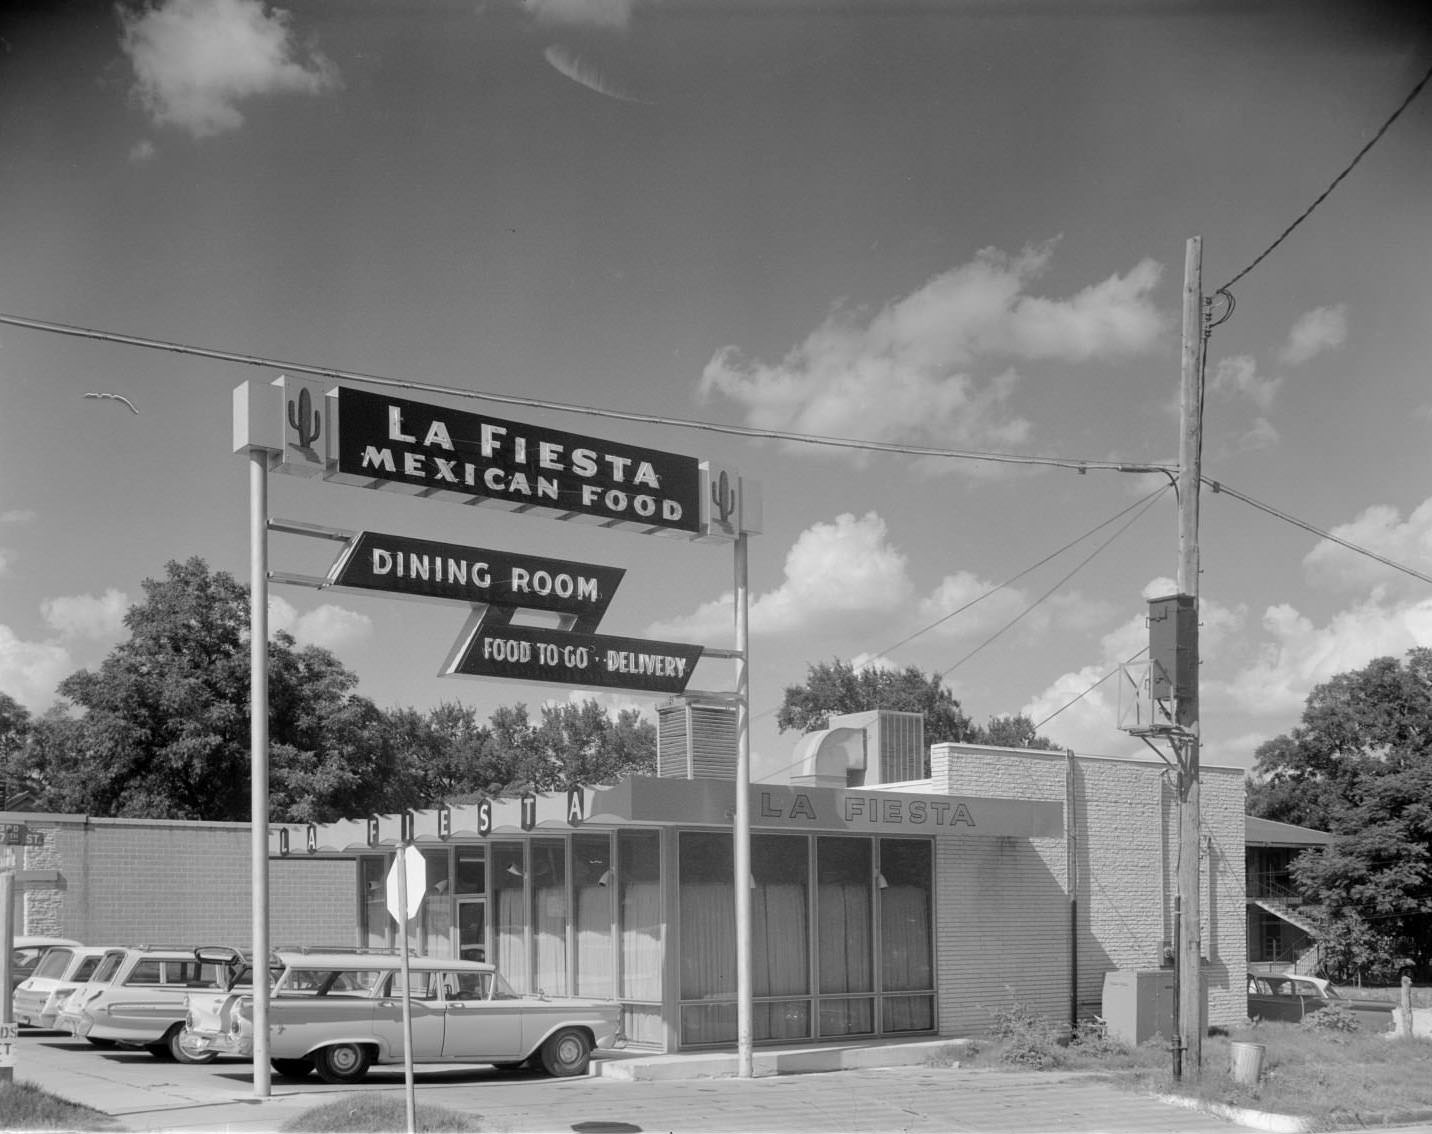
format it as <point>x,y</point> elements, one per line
<point>434,451</point>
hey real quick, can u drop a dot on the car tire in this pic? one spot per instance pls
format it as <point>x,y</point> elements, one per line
<point>292,1068</point>
<point>342,1062</point>
<point>567,1052</point>
<point>176,1039</point>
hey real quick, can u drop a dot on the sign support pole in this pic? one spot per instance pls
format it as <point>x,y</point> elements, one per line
<point>1190,947</point>
<point>7,941</point>
<point>258,757</point>
<point>410,1101</point>
<point>744,1063</point>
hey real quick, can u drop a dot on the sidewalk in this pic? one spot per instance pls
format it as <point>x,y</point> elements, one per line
<point>869,1089</point>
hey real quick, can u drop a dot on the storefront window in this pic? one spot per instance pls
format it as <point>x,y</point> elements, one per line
<point>844,935</point>
<point>435,917</point>
<point>471,875</point>
<point>549,916</point>
<point>906,938</point>
<point>509,877</point>
<point>594,895</point>
<point>708,937</point>
<point>780,934</point>
<point>640,925</point>
<point>372,881</point>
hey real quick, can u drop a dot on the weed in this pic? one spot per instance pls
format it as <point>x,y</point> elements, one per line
<point>24,1106</point>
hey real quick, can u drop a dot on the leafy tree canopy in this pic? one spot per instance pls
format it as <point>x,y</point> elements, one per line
<point>836,687</point>
<point>1359,765</point>
<point>161,728</point>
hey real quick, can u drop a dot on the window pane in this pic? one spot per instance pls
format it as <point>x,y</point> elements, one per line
<point>594,895</point>
<point>906,960</point>
<point>907,1013</point>
<point>780,1020</point>
<point>843,930</point>
<point>372,878</point>
<point>780,930</point>
<point>708,921</point>
<point>509,875</point>
<point>847,1017</point>
<point>639,911</point>
<point>549,915</point>
<point>471,870</point>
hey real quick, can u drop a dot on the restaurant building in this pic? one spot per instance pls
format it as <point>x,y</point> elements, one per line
<point>897,891</point>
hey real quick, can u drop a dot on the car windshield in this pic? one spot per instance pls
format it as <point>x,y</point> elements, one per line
<point>108,967</point>
<point>54,963</point>
<point>328,982</point>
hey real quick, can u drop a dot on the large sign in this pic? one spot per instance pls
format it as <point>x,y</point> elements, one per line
<point>312,428</point>
<point>427,450</point>
<point>428,569</point>
<point>491,646</point>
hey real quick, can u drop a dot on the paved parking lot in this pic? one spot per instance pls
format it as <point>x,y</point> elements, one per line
<point>146,1094</point>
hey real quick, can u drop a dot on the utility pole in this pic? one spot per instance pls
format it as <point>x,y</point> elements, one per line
<point>1190,945</point>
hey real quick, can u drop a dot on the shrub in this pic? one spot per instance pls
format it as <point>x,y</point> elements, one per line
<point>1029,1039</point>
<point>1333,1018</point>
<point>1091,1037</point>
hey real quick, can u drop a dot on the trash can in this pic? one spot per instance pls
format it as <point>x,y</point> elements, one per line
<point>1245,1062</point>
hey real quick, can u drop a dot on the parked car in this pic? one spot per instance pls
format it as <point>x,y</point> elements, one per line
<point>137,998</point>
<point>61,970</point>
<point>25,954</point>
<point>1291,996</point>
<point>340,1013</point>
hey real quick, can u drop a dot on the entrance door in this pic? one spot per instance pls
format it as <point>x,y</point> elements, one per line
<point>472,929</point>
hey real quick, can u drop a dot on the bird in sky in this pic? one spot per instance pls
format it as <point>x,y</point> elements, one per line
<point>116,397</point>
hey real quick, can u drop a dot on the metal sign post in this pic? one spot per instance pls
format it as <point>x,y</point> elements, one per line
<point>258,758</point>
<point>405,896</point>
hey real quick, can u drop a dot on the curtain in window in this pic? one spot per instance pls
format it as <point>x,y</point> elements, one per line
<point>509,925</point>
<point>592,891</point>
<point>639,913</point>
<point>708,937</point>
<point>843,931</point>
<point>549,916</point>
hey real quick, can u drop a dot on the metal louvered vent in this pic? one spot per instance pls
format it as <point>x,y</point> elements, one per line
<point>695,741</point>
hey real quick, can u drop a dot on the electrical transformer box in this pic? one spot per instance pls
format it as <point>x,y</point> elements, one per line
<point>1173,647</point>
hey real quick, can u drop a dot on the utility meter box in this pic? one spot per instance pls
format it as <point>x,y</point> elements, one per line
<point>1138,1004</point>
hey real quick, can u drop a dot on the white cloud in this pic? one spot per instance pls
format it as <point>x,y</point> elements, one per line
<point>1238,374</point>
<point>5,559</point>
<point>87,616</point>
<point>1261,435</point>
<point>17,516</point>
<point>908,370</point>
<point>846,568</point>
<point>1301,655</point>
<point>196,60</point>
<point>332,627</point>
<point>585,73</point>
<point>591,13</point>
<point>982,610</point>
<point>1379,528</point>
<point>1323,328</point>
<point>30,671</point>
<point>142,151</point>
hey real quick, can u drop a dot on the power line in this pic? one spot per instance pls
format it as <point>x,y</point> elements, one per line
<point>1071,703</point>
<point>1406,102</point>
<point>1148,503</point>
<point>1220,488</point>
<point>1015,578</point>
<point>1078,464</point>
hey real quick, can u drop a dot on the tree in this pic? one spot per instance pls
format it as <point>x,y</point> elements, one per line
<point>838,687</point>
<point>1012,732</point>
<point>14,735</point>
<point>1360,766</point>
<point>163,728</point>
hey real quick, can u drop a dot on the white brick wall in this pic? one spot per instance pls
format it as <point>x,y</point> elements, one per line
<point>1004,912</point>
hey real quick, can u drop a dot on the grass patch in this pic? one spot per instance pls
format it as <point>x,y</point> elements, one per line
<point>24,1106</point>
<point>1333,1073</point>
<point>376,1114</point>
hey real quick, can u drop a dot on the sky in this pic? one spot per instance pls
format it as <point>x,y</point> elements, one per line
<point>954,226</point>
